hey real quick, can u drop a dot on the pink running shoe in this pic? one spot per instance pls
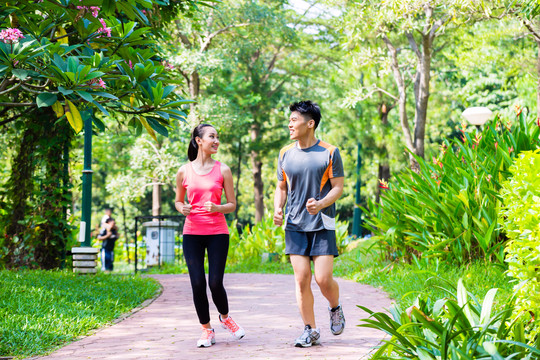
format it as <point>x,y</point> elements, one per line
<point>231,325</point>
<point>208,338</point>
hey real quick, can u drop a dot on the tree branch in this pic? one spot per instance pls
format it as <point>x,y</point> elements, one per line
<point>206,44</point>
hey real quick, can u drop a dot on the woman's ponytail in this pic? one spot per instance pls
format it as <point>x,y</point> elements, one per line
<point>193,147</point>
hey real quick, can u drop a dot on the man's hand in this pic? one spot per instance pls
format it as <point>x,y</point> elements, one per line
<point>210,206</point>
<point>278,217</point>
<point>186,209</point>
<point>313,206</point>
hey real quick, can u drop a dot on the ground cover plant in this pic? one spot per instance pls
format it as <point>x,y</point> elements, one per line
<point>41,310</point>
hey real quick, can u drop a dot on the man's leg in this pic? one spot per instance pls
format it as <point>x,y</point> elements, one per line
<point>324,268</point>
<point>304,297</point>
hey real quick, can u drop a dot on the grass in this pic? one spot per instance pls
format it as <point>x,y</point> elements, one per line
<point>42,310</point>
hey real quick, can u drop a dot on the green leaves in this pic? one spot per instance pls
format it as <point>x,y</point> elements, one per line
<point>520,216</point>
<point>450,208</point>
<point>46,99</point>
<point>450,330</point>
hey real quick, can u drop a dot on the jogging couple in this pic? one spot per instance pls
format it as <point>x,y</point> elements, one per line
<point>310,180</point>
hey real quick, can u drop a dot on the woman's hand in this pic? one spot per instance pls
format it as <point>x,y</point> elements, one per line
<point>186,209</point>
<point>210,206</point>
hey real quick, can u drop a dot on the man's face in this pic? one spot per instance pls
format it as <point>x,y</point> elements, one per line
<point>299,125</point>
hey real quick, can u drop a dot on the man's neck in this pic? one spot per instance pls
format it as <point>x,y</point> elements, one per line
<point>307,142</point>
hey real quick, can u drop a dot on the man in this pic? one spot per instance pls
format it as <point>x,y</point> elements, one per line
<point>310,176</point>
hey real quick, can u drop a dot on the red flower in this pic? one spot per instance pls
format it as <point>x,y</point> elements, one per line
<point>511,150</point>
<point>496,145</point>
<point>383,184</point>
<point>538,121</point>
<point>518,109</point>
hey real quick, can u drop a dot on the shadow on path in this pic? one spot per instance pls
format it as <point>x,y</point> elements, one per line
<point>264,304</point>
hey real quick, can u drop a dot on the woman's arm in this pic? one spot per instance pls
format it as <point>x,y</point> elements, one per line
<point>181,193</point>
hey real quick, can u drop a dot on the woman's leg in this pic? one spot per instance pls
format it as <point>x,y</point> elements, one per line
<point>218,248</point>
<point>194,249</point>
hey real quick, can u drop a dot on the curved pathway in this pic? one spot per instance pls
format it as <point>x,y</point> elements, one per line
<point>264,304</point>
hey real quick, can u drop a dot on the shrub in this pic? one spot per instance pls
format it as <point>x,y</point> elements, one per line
<point>453,328</point>
<point>520,218</point>
<point>449,209</point>
<point>265,237</point>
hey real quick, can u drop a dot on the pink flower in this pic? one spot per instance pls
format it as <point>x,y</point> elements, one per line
<point>15,62</point>
<point>538,121</point>
<point>488,178</point>
<point>105,30</point>
<point>95,11</point>
<point>130,64</point>
<point>511,150</point>
<point>167,65</point>
<point>11,35</point>
<point>97,83</point>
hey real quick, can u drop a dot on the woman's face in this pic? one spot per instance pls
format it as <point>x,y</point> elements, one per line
<point>209,142</point>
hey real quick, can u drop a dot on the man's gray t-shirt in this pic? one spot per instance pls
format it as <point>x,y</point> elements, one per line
<point>308,173</point>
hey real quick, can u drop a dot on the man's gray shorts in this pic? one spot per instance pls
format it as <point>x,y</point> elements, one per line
<point>313,243</point>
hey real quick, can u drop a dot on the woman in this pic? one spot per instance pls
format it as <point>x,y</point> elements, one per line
<point>205,228</point>
<point>108,237</point>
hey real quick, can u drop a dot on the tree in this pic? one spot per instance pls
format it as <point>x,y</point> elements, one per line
<point>412,26</point>
<point>64,63</point>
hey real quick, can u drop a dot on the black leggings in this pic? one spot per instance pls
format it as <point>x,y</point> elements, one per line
<point>194,249</point>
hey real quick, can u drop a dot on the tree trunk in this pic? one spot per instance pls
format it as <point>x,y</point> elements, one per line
<point>156,198</point>
<point>384,167</point>
<point>194,90</point>
<point>402,99</point>
<point>422,94</point>
<point>238,174</point>
<point>36,235</point>
<point>256,166</point>
<point>538,80</point>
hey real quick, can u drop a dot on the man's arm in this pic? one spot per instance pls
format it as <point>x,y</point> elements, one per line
<point>280,198</point>
<point>314,206</point>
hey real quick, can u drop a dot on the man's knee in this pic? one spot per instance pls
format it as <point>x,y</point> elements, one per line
<point>324,281</point>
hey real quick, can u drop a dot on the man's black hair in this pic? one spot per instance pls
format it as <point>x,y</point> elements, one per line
<point>308,108</point>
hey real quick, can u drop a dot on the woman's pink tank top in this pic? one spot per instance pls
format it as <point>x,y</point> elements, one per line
<point>200,189</point>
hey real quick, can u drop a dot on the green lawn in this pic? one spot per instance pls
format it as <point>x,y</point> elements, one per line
<point>41,310</point>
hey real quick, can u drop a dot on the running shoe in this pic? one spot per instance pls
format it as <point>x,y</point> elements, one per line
<point>308,338</point>
<point>208,338</point>
<point>337,320</point>
<point>230,325</point>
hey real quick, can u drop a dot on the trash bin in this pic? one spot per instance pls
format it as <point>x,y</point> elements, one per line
<point>160,241</point>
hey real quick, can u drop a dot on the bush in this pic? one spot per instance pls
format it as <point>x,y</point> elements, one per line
<point>453,328</point>
<point>449,209</point>
<point>265,237</point>
<point>520,218</point>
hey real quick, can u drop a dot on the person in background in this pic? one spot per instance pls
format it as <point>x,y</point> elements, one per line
<point>205,229</point>
<point>108,214</point>
<point>108,237</point>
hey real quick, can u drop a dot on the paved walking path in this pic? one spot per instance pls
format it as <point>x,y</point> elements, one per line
<point>264,304</point>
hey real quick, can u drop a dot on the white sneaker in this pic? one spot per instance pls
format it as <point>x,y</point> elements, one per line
<point>208,338</point>
<point>308,338</point>
<point>230,325</point>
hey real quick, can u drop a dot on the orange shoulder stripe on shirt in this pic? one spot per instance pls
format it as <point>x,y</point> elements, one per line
<point>329,173</point>
<point>285,149</point>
